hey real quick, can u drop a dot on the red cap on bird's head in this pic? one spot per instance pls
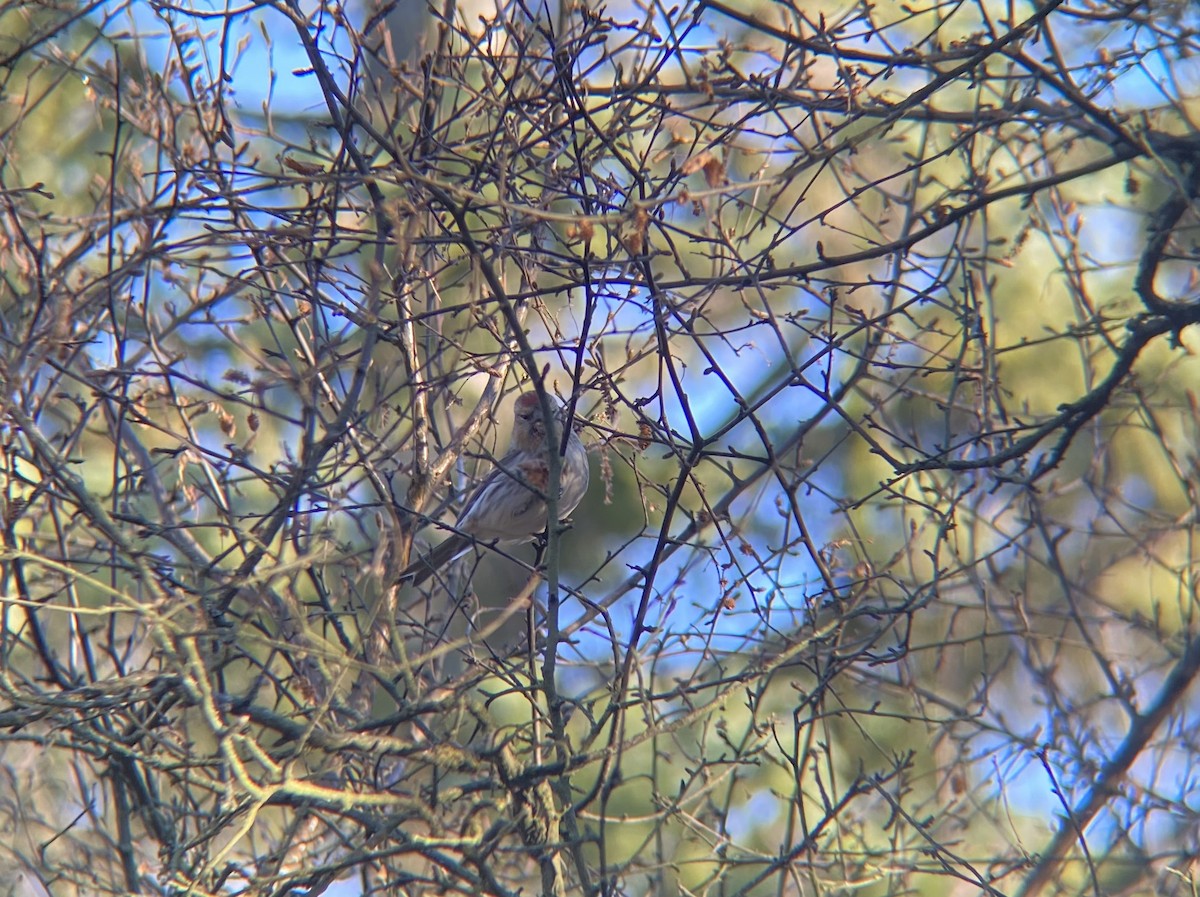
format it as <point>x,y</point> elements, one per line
<point>526,402</point>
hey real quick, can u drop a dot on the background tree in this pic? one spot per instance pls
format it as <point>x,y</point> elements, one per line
<point>875,317</point>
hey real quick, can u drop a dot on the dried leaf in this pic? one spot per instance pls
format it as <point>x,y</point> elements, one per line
<point>714,172</point>
<point>697,162</point>
<point>304,168</point>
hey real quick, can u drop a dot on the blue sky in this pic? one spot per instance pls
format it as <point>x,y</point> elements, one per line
<point>270,66</point>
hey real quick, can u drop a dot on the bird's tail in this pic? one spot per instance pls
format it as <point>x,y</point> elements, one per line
<point>436,560</point>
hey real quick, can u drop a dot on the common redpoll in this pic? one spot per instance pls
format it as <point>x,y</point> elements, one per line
<point>509,506</point>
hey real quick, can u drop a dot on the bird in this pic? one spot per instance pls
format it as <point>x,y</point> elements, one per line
<point>509,506</point>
